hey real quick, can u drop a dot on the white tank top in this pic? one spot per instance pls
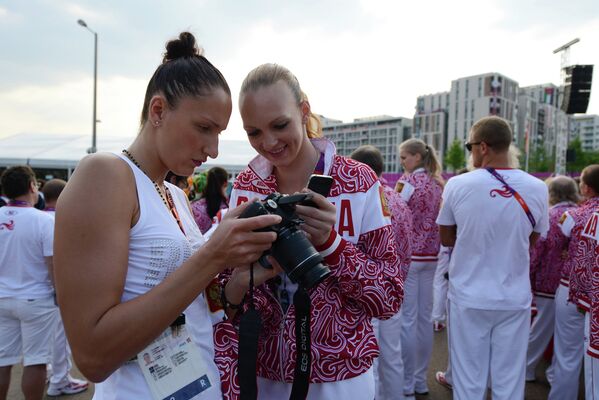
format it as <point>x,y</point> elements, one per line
<point>157,247</point>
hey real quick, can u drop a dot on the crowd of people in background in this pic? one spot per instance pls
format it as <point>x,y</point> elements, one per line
<point>166,261</point>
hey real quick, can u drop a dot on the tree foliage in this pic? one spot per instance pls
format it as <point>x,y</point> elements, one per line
<point>455,157</point>
<point>581,158</point>
<point>540,161</point>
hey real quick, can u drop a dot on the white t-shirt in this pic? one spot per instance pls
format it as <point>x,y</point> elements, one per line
<point>26,237</point>
<point>489,267</point>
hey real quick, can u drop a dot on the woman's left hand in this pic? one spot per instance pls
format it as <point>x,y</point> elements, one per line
<point>319,220</point>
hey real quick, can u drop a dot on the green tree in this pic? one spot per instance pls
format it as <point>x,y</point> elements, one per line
<point>540,161</point>
<point>581,158</point>
<point>455,157</point>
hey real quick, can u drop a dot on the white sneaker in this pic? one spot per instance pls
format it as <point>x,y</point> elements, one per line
<point>73,387</point>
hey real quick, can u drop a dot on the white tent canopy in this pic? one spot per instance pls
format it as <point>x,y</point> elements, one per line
<point>64,151</point>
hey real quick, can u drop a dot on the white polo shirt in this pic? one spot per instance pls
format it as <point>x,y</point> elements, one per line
<point>26,237</point>
<point>489,267</point>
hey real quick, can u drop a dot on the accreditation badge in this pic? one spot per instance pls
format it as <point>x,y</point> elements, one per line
<point>405,190</point>
<point>172,366</point>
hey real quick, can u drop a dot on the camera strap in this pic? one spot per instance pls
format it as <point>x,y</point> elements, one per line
<point>303,358</point>
<point>250,324</point>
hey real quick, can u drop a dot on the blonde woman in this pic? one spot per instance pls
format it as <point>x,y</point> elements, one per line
<point>421,187</point>
<point>351,230</point>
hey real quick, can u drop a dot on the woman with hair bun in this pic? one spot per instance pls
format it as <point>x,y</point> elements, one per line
<point>351,230</point>
<point>130,262</point>
<point>421,186</point>
<point>213,198</point>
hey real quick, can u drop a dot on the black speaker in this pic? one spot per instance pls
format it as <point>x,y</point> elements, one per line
<point>570,155</point>
<point>577,88</point>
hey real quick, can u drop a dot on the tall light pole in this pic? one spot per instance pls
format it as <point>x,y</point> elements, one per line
<point>81,22</point>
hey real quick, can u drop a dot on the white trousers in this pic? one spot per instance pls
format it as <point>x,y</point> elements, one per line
<point>360,387</point>
<point>448,376</point>
<point>541,331</point>
<point>61,357</point>
<point>416,325</point>
<point>488,344</point>
<point>591,367</point>
<point>568,347</point>
<point>388,367</point>
<point>589,390</point>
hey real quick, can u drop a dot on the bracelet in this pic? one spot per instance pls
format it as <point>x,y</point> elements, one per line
<point>226,303</point>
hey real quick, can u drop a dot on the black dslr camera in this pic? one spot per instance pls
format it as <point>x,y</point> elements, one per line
<point>292,249</point>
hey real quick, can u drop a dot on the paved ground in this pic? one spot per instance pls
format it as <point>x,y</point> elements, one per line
<point>534,391</point>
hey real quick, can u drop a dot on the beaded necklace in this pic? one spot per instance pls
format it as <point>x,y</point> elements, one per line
<point>134,161</point>
<point>170,203</point>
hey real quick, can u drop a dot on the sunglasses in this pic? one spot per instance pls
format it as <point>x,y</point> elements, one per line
<point>470,144</point>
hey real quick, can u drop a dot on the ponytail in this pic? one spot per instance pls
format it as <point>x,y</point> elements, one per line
<point>313,125</point>
<point>430,162</point>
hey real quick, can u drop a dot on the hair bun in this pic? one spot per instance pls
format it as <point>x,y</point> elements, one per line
<point>184,46</point>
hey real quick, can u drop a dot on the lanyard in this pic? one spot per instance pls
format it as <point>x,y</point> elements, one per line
<point>19,203</point>
<point>171,206</point>
<point>516,195</point>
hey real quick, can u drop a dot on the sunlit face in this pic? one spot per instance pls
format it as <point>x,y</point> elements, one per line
<point>189,132</point>
<point>274,123</point>
<point>409,161</point>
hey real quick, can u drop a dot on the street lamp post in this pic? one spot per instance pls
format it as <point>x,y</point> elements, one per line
<point>81,22</point>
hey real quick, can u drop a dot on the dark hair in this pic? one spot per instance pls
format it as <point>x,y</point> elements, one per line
<point>52,189</point>
<point>215,179</point>
<point>184,72</point>
<point>590,177</point>
<point>494,131</point>
<point>17,180</point>
<point>175,179</point>
<point>370,156</point>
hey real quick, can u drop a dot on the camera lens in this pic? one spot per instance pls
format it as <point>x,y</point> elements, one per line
<point>299,259</point>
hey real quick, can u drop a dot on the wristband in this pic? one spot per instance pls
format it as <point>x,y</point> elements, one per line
<point>226,303</point>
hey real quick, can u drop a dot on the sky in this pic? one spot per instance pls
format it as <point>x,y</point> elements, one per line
<point>354,58</point>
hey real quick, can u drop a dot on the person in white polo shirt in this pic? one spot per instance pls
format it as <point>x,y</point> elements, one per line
<point>28,314</point>
<point>491,216</point>
<point>60,381</point>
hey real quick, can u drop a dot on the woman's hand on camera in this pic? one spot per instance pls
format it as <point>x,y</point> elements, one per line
<point>239,283</point>
<point>234,242</point>
<point>318,220</point>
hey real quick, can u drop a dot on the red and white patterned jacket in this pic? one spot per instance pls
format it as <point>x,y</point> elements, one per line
<point>575,268</point>
<point>589,252</point>
<point>365,282</point>
<point>403,226</point>
<point>546,258</point>
<point>423,195</point>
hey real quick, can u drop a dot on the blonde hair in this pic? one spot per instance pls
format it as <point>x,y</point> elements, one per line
<point>269,74</point>
<point>428,155</point>
<point>562,188</point>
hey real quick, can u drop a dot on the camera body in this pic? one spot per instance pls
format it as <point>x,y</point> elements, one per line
<point>292,249</point>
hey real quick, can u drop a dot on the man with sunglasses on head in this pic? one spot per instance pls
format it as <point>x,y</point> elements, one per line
<point>491,216</point>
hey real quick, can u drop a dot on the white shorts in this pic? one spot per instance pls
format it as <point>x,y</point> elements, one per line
<point>27,330</point>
